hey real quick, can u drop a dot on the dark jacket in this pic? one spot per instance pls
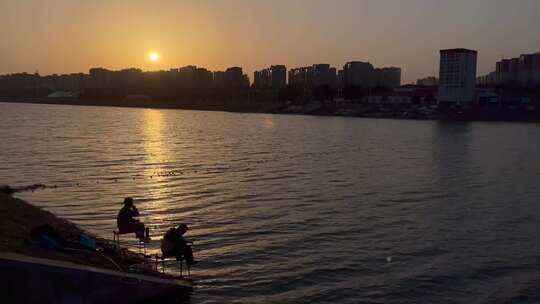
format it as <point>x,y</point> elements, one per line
<point>173,243</point>
<point>174,237</point>
<point>125,219</point>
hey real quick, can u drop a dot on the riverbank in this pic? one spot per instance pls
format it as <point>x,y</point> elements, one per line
<point>98,272</point>
<point>414,112</point>
<point>17,220</point>
<point>157,104</point>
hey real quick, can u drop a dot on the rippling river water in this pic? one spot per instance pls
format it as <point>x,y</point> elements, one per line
<point>299,209</point>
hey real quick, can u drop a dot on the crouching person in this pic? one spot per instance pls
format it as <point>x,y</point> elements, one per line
<point>174,245</point>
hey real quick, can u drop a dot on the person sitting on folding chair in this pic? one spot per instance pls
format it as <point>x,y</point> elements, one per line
<point>127,223</point>
<point>174,244</point>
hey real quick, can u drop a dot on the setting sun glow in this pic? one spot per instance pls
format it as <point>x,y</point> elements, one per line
<point>153,56</point>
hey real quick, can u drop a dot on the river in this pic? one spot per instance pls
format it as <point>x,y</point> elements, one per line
<point>299,209</point>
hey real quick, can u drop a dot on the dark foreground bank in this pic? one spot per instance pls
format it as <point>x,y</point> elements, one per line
<point>73,275</point>
<point>18,218</point>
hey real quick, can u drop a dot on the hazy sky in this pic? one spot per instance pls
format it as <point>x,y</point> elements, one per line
<point>61,36</point>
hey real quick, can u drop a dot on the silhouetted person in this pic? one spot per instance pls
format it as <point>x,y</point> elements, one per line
<point>174,244</point>
<point>126,221</point>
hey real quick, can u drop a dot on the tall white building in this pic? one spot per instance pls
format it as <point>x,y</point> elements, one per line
<point>457,77</point>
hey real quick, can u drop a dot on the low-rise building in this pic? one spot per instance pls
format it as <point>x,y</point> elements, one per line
<point>405,95</point>
<point>430,81</point>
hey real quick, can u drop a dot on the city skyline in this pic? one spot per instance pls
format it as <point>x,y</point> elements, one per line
<point>75,36</point>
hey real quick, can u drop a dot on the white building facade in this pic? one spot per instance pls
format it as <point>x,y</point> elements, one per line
<point>457,77</point>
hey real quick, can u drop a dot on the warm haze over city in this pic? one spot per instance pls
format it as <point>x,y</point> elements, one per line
<point>67,36</point>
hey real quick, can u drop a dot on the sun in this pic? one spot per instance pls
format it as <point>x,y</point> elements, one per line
<point>153,56</point>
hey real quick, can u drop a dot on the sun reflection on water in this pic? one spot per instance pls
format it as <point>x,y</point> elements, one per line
<point>268,122</point>
<point>153,129</point>
<point>157,157</point>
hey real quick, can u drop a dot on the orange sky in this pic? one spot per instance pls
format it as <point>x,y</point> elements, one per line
<point>62,36</point>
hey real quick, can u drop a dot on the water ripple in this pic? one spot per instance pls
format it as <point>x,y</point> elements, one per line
<point>314,210</point>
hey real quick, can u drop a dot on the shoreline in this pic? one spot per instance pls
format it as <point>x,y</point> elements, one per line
<point>322,111</point>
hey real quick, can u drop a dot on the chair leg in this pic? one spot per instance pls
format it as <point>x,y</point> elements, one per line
<point>116,239</point>
<point>162,265</point>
